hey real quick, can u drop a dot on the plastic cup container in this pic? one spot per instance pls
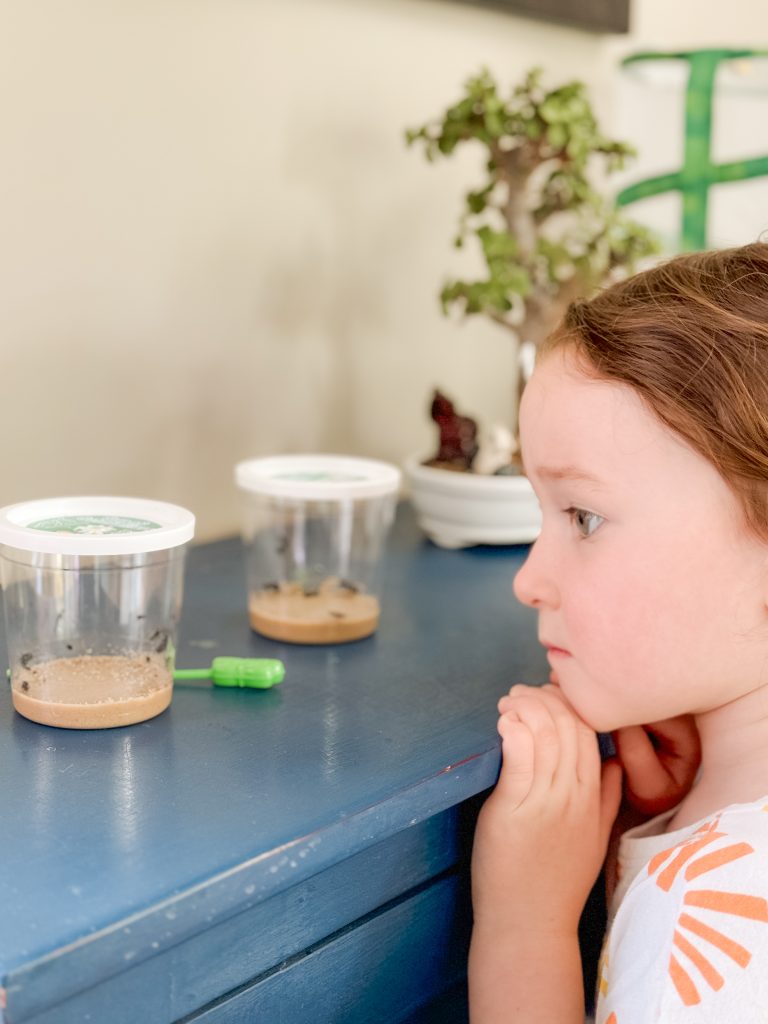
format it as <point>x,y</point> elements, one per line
<point>314,528</point>
<point>92,591</point>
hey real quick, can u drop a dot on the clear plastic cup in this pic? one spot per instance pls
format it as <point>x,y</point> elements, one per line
<point>315,527</point>
<point>92,591</point>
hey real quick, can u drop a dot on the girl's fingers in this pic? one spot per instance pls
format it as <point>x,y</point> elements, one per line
<point>546,747</point>
<point>610,797</point>
<point>555,691</point>
<point>660,762</point>
<point>646,775</point>
<point>580,753</point>
<point>554,739</point>
<point>679,736</point>
<point>568,730</point>
<point>589,762</point>
<point>678,747</point>
<point>549,691</point>
<point>517,760</point>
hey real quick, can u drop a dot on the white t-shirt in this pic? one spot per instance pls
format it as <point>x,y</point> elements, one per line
<point>688,924</point>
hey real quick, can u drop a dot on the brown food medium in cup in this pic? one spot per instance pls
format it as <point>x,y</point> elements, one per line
<point>332,613</point>
<point>93,691</point>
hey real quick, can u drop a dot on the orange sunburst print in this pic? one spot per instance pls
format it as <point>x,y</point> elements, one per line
<point>689,965</point>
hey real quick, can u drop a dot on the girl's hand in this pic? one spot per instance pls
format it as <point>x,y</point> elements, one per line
<point>660,761</point>
<point>542,834</point>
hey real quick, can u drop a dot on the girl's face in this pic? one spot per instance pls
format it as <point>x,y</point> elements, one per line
<point>651,593</point>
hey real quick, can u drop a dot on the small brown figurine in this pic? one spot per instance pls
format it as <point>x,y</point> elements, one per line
<point>458,435</point>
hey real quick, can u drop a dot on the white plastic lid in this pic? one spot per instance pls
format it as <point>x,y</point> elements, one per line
<point>95,526</point>
<point>317,477</point>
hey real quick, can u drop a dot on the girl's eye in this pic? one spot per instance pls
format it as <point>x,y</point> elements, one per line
<point>585,522</point>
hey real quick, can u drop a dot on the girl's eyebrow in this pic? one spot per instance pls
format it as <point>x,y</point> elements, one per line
<point>567,473</point>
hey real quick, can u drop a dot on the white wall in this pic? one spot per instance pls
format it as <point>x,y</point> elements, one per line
<point>214,242</point>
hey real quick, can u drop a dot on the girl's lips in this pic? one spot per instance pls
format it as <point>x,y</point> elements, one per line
<point>557,652</point>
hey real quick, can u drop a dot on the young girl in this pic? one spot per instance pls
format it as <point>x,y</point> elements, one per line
<point>645,435</point>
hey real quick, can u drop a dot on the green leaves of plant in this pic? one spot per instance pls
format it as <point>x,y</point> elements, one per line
<point>538,218</point>
<point>507,277</point>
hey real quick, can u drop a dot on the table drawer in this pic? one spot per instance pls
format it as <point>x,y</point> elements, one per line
<point>380,970</point>
<point>175,982</point>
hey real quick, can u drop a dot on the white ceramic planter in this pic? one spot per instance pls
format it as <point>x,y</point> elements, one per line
<point>457,510</point>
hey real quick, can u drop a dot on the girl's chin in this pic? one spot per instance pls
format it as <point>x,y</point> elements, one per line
<point>595,717</point>
<point>590,716</point>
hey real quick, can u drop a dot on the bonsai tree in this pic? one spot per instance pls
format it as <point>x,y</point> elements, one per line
<point>547,234</point>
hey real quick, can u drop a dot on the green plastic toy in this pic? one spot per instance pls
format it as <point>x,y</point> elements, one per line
<point>250,673</point>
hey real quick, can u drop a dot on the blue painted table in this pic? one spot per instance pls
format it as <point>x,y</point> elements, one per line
<point>281,856</point>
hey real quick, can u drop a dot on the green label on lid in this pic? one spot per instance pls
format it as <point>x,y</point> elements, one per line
<point>94,526</point>
<point>320,476</point>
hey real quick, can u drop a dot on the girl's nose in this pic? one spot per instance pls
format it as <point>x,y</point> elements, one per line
<point>534,583</point>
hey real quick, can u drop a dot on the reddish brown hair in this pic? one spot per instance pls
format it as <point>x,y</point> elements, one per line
<point>691,337</point>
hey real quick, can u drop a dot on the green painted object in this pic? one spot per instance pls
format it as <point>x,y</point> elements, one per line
<point>698,173</point>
